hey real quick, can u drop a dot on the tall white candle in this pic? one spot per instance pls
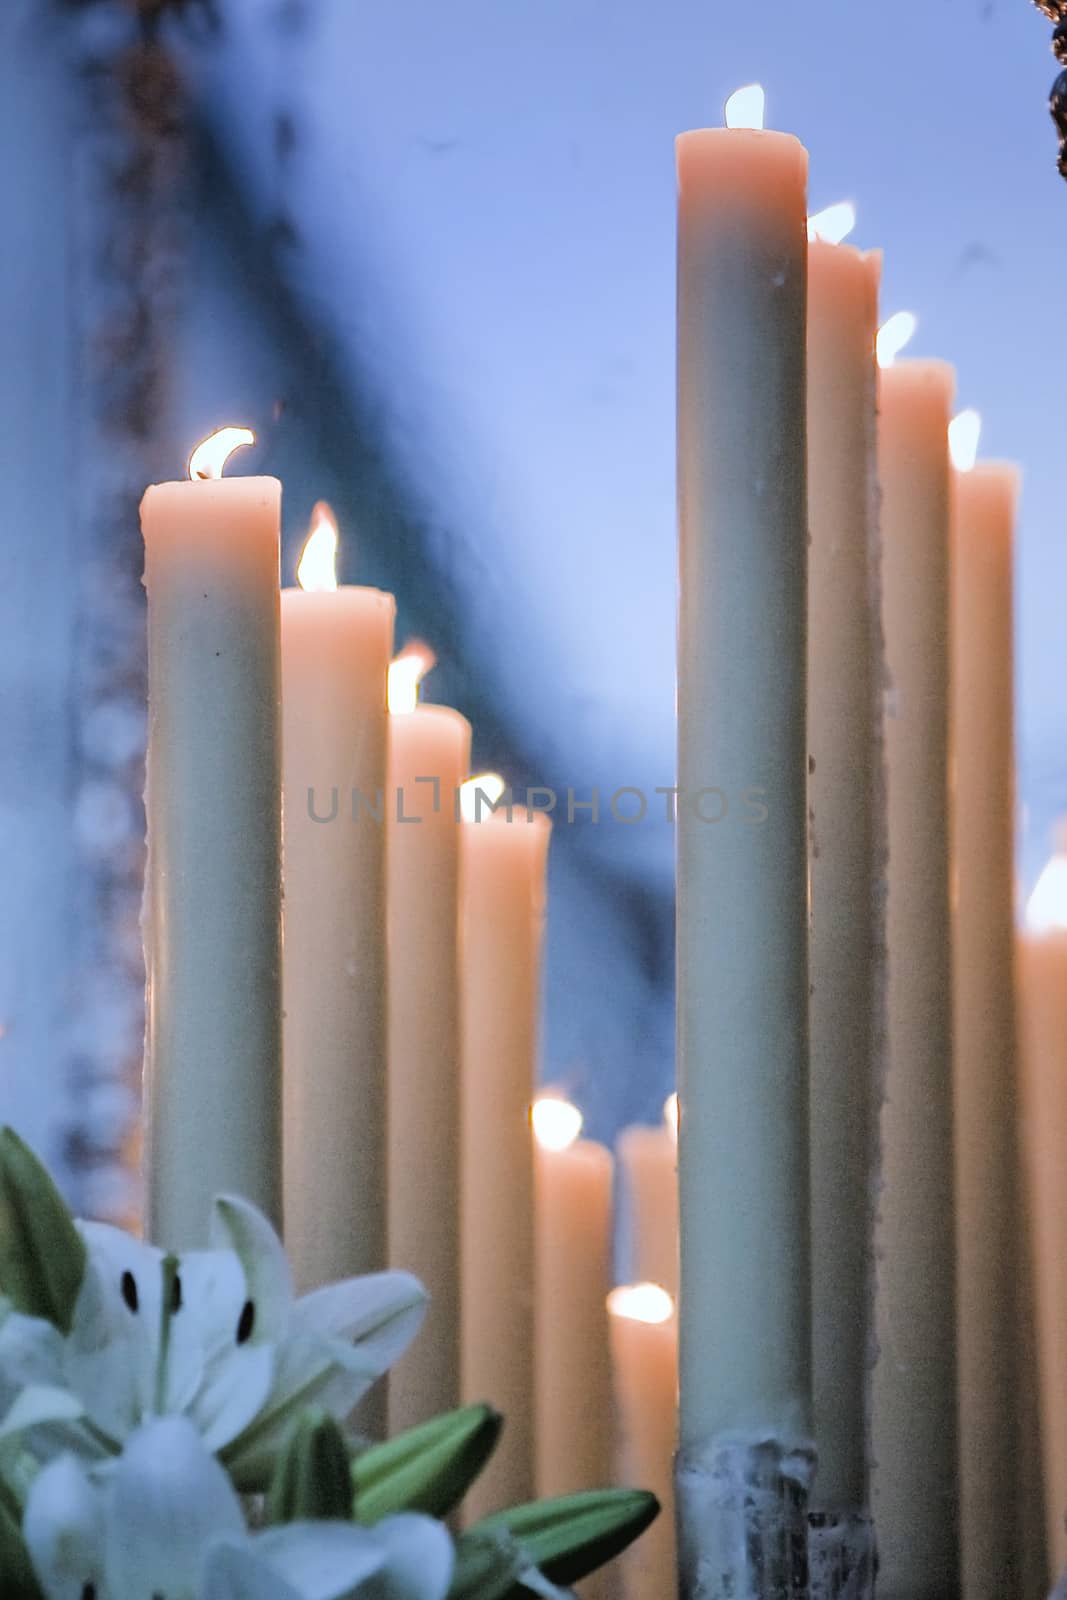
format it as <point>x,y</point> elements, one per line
<point>644,1357</point>
<point>1042,975</point>
<point>429,757</point>
<point>648,1158</point>
<point>914,1386</point>
<point>846,793</point>
<point>212,911</point>
<point>983,936</point>
<point>502,899</point>
<point>742,883</point>
<point>336,644</point>
<point>572,1208</point>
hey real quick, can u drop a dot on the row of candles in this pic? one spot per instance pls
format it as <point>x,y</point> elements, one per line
<point>399,1130</point>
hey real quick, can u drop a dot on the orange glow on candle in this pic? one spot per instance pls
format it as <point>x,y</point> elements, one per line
<point>209,458</point>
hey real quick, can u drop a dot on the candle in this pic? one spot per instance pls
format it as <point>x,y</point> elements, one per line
<point>914,1404</point>
<point>336,644</point>
<point>983,923</point>
<point>212,910</point>
<point>502,901</point>
<point>429,756</point>
<point>846,794</point>
<point>644,1356</point>
<point>649,1161</point>
<point>572,1195</point>
<point>1042,973</point>
<point>742,883</point>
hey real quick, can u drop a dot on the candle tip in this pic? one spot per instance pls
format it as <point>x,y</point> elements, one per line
<point>406,672</point>
<point>556,1122</point>
<point>480,794</point>
<point>209,458</point>
<point>964,432</point>
<point>746,107</point>
<point>317,568</point>
<point>1046,909</point>
<point>833,224</point>
<point>641,1302</point>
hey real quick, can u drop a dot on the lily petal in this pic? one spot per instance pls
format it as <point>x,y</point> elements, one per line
<point>238,1226</point>
<point>219,1382</point>
<point>233,1572</point>
<point>322,1560</point>
<point>169,1500</point>
<point>380,1314</point>
<point>420,1557</point>
<point>112,1354</point>
<point>63,1526</point>
<point>38,1404</point>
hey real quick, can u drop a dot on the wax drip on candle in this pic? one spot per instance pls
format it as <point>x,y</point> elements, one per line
<point>897,331</point>
<point>833,224</point>
<point>480,794</point>
<point>317,568</point>
<point>746,107</point>
<point>209,458</point>
<point>641,1302</point>
<point>556,1122</point>
<point>964,432</point>
<point>406,672</point>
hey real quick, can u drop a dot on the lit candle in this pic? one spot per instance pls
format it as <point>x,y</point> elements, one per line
<point>846,793</point>
<point>983,924</point>
<point>745,1410</point>
<point>502,910</point>
<point>649,1161</point>
<point>572,1207</point>
<point>1042,970</point>
<point>644,1357</point>
<point>212,909</point>
<point>914,1427</point>
<point>429,756</point>
<point>336,644</point>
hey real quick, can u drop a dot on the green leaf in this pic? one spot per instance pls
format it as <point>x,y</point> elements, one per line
<point>488,1564</point>
<point>42,1256</point>
<point>311,1481</point>
<point>571,1536</point>
<point>17,1581</point>
<point>428,1468</point>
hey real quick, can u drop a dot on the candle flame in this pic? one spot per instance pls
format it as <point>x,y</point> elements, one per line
<point>894,334</point>
<point>317,568</point>
<point>641,1302</point>
<point>1046,909</point>
<point>556,1122</point>
<point>834,223</point>
<point>670,1114</point>
<point>746,107</point>
<point>209,458</point>
<point>406,672</point>
<point>964,432</point>
<point>480,794</point>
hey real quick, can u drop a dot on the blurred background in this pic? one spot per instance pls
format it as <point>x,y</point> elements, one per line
<point>427,252</point>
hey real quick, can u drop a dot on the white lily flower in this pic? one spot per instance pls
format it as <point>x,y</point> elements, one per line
<point>215,1335</point>
<point>165,1524</point>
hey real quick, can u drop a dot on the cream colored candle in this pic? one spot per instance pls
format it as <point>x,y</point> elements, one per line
<point>572,1208</point>
<point>429,757</point>
<point>212,911</point>
<point>1042,972</point>
<point>742,882</point>
<point>649,1161</point>
<point>644,1357</point>
<point>846,791</point>
<point>502,900</point>
<point>336,644</point>
<point>983,936</point>
<point>914,1426</point>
